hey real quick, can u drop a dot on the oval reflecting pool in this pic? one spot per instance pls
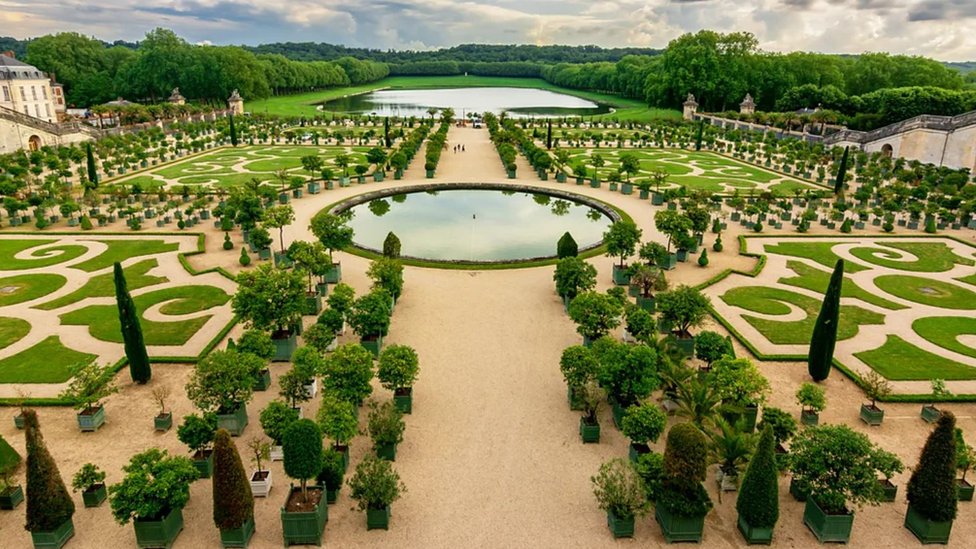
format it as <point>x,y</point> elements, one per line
<point>476,224</point>
<point>515,101</point>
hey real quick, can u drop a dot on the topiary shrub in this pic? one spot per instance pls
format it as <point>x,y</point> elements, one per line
<point>703,258</point>
<point>154,485</point>
<point>758,227</point>
<point>86,224</point>
<point>644,422</point>
<point>302,445</point>
<point>619,489</point>
<point>275,419</point>
<point>245,259</point>
<point>846,226</point>
<point>930,226</point>
<point>375,485</point>
<point>758,501</point>
<point>718,246</point>
<point>48,503</point>
<point>228,244</point>
<point>233,502</point>
<point>685,464</point>
<point>566,246</point>
<point>391,246</point>
<point>932,487</point>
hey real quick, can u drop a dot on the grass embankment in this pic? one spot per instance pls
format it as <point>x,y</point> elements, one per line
<point>303,104</point>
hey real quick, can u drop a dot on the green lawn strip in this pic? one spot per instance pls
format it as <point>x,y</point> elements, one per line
<point>816,280</point>
<point>927,291</point>
<point>103,320</point>
<point>943,330</point>
<point>899,360</point>
<point>971,279</point>
<point>12,330</point>
<point>821,252</point>
<point>933,257</point>
<point>46,362</point>
<point>768,301</point>
<point>21,288</point>
<point>103,285</point>
<point>10,248</point>
<point>121,250</point>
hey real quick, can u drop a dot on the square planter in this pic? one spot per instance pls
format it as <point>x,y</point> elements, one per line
<point>314,187</point>
<point>263,382</point>
<point>203,461</point>
<point>889,489</point>
<point>620,527</point>
<point>621,277</point>
<point>313,304</point>
<point>798,492</point>
<point>334,275</point>
<point>261,483</point>
<point>403,399</point>
<point>677,527</point>
<point>372,344</point>
<point>930,413</point>
<point>589,433</point>
<point>19,421</point>
<point>809,418</point>
<point>11,497</point>
<point>386,451</point>
<point>872,415</point>
<point>646,303</point>
<point>668,263</point>
<point>575,400</point>
<point>312,388</point>
<point>305,527</point>
<point>284,347</point>
<point>627,188</point>
<point>378,519</point>
<point>237,537</point>
<point>827,528</point>
<point>927,531</point>
<point>234,422</point>
<point>55,539</point>
<point>264,254</point>
<point>755,535</point>
<point>159,533</point>
<point>657,199</point>
<point>163,422</point>
<point>685,344</point>
<point>91,419</point>
<point>296,193</point>
<point>964,490</point>
<point>94,496</point>
<point>277,451</point>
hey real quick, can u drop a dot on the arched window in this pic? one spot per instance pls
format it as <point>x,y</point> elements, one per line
<point>887,150</point>
<point>34,143</point>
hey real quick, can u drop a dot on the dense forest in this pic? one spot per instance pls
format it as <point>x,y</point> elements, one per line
<point>865,91</point>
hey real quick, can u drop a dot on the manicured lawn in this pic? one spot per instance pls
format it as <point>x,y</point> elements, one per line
<point>39,258</point>
<point>927,291</point>
<point>899,360</point>
<point>304,104</point>
<point>772,301</point>
<point>103,285</point>
<point>821,252</point>
<point>46,362</point>
<point>817,280</point>
<point>943,330</point>
<point>971,279</point>
<point>932,257</point>
<point>21,288</point>
<point>12,330</point>
<point>121,250</point>
<point>103,320</point>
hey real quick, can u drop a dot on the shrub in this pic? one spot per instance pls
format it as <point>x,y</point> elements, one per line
<point>703,258</point>
<point>155,484</point>
<point>88,476</point>
<point>257,343</point>
<point>86,224</point>
<point>781,423</point>
<point>386,274</point>
<point>233,502</point>
<point>302,445</point>
<point>228,245</point>
<point>876,387</point>
<point>811,397</point>
<point>348,371</point>
<point>619,489</point>
<point>846,226</point>
<point>342,298</point>
<point>89,384</point>
<point>224,381</point>
<point>245,259</point>
<point>337,419</point>
<point>375,485</point>
<point>711,346</point>
<point>270,299</point>
<point>685,463</point>
<point>578,365</point>
<point>333,469</point>
<point>758,501</point>
<point>932,487</point>
<point>685,307</point>
<point>385,424</point>
<point>621,240</point>
<point>566,246</point>
<point>370,314</point>
<point>573,276</point>
<point>275,419</point>
<point>627,372</point>
<point>197,432</point>
<point>643,422</point>
<point>398,367</point>
<point>391,246</point>
<point>738,381</point>
<point>650,467</point>
<point>319,337</point>
<point>640,323</point>
<point>965,456</point>
<point>331,319</point>
<point>595,314</point>
<point>48,503</point>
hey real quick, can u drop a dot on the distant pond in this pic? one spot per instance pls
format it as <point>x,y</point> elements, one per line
<point>515,101</point>
<point>476,225</point>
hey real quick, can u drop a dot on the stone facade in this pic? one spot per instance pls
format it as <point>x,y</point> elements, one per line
<point>235,103</point>
<point>690,107</point>
<point>748,106</point>
<point>26,90</point>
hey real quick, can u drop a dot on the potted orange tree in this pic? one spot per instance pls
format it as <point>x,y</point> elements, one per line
<point>375,486</point>
<point>89,384</point>
<point>397,371</point>
<point>305,511</point>
<point>90,481</point>
<point>621,493</point>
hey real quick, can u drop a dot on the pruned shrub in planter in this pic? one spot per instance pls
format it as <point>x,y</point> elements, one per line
<point>197,432</point>
<point>233,502</point>
<point>573,276</point>
<point>627,372</point>
<point>385,426</point>
<point>375,486</point>
<point>595,314</point>
<point>303,452</point>
<point>620,492</point>
<point>337,419</point>
<point>90,481</point>
<point>813,400</point>
<point>332,473</point>
<point>49,506</point>
<point>784,427</point>
<point>155,484</point>
<point>276,417</point>
<point>758,501</point>
<point>682,502</point>
<point>932,492</point>
<point>712,346</point>
<point>347,373</point>
<point>223,381</point>
<point>397,371</point>
<point>642,423</point>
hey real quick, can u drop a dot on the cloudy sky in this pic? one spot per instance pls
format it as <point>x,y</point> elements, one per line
<point>937,28</point>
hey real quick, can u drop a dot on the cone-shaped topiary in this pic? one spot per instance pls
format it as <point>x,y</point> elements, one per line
<point>842,171</point>
<point>566,246</point>
<point>48,503</point>
<point>245,259</point>
<point>232,130</point>
<point>233,502</point>
<point>824,336</point>
<point>90,165</point>
<point>391,245</point>
<point>932,488</point>
<point>302,447</point>
<point>135,345</point>
<point>703,258</point>
<point>758,501</point>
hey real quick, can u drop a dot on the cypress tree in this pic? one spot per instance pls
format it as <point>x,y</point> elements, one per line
<point>758,501</point>
<point>842,172</point>
<point>548,134</point>
<point>825,330</point>
<point>92,171</point>
<point>386,132</point>
<point>135,346</point>
<point>233,131</point>
<point>48,503</point>
<point>932,488</point>
<point>566,246</point>
<point>233,502</point>
<point>698,138</point>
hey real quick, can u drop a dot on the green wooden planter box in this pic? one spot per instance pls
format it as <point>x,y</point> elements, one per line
<point>679,528</point>
<point>372,345</point>
<point>204,465</point>
<point>575,400</point>
<point>809,418</point>
<point>91,420</point>
<point>668,263</point>
<point>94,496</point>
<point>11,497</point>
<point>283,198</point>
<point>755,535</point>
<point>163,422</point>
<point>595,183</point>
<point>322,288</point>
<point>237,537</point>
<point>306,527</point>
<point>927,531</point>
<point>159,533</point>
<point>378,519</point>
<point>685,344</point>
<point>19,421</point>
<point>657,199</point>
<point>827,528</point>
<point>682,255</point>
<point>589,433</point>
<point>314,187</point>
<point>403,399</point>
<point>510,174</point>
<point>871,415</point>
<point>263,381</point>
<point>626,188</point>
<point>56,538</point>
<point>798,493</point>
<point>620,527</point>
<point>284,348</point>
<point>386,451</point>
<point>620,275</point>
<point>334,275</point>
<point>331,495</point>
<point>313,304</point>
<point>643,195</point>
<point>234,422</point>
<point>617,411</point>
<point>964,490</point>
<point>613,186</point>
<point>378,176</point>
<point>930,413</point>
<point>646,303</point>
<point>889,489</point>
<point>264,254</point>
<point>296,193</point>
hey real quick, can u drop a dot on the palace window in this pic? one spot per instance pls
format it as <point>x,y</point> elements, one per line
<point>23,96</point>
<point>34,93</point>
<point>47,109</point>
<point>6,93</point>
<point>44,92</point>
